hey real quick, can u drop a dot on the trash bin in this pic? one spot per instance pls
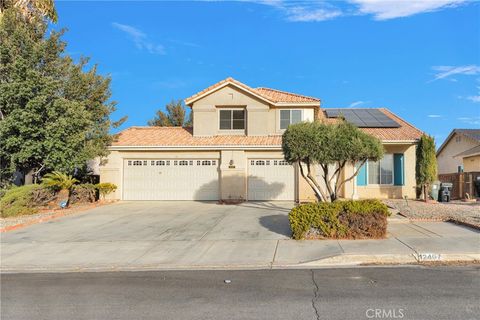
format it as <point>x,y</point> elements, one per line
<point>435,190</point>
<point>477,186</point>
<point>445,193</point>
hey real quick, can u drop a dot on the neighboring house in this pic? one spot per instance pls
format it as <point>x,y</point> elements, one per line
<point>233,151</point>
<point>460,152</point>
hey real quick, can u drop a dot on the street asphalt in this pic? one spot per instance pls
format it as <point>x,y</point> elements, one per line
<point>344,293</point>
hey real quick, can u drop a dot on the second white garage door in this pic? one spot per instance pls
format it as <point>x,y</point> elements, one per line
<point>270,179</point>
<point>169,179</point>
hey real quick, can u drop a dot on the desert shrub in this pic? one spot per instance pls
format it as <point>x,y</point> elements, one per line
<point>25,200</point>
<point>83,193</point>
<point>105,188</point>
<point>340,219</point>
<point>42,196</point>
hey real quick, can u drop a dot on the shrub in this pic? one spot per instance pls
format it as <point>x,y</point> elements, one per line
<point>24,200</point>
<point>340,219</point>
<point>105,188</point>
<point>83,193</point>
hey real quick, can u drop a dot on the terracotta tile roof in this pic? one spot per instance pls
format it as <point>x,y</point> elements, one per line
<point>470,152</point>
<point>271,95</point>
<point>282,96</point>
<point>182,137</point>
<point>405,132</point>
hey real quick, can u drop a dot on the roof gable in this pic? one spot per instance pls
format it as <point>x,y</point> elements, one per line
<point>270,96</point>
<point>473,134</point>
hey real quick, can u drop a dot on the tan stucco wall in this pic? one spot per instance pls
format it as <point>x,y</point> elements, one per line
<point>233,175</point>
<point>233,183</point>
<point>233,178</point>
<point>447,162</point>
<point>261,118</point>
<point>471,164</point>
<point>351,190</point>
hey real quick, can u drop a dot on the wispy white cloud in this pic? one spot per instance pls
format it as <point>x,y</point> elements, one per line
<point>306,14</point>
<point>356,104</point>
<point>303,11</point>
<point>474,121</point>
<point>391,9</point>
<point>475,98</point>
<point>444,72</point>
<point>140,39</point>
<point>434,116</point>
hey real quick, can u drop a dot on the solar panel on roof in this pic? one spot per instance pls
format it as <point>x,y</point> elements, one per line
<point>364,118</point>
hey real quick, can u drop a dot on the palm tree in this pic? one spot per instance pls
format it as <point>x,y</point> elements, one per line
<point>61,182</point>
<point>31,8</point>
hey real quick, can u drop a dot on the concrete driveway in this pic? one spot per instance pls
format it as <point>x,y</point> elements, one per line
<point>162,235</point>
<point>152,233</point>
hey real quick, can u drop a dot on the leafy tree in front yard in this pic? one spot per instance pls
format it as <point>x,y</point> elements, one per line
<point>54,113</point>
<point>426,167</point>
<point>174,116</point>
<point>31,10</point>
<point>332,147</point>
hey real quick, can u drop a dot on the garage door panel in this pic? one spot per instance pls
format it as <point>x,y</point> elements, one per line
<point>163,179</point>
<point>270,179</point>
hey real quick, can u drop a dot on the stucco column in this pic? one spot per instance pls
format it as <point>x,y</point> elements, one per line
<point>233,175</point>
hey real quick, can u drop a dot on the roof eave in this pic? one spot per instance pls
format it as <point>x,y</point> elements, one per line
<point>205,147</point>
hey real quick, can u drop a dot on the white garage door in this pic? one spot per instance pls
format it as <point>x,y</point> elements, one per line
<point>270,179</point>
<point>168,179</point>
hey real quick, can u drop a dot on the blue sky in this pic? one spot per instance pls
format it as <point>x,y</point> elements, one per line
<point>420,59</point>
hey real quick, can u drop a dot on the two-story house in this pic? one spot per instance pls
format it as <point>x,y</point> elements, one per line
<point>460,152</point>
<point>233,151</point>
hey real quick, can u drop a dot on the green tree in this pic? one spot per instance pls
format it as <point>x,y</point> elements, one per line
<point>426,166</point>
<point>332,147</point>
<point>31,9</point>
<point>174,116</point>
<point>54,113</point>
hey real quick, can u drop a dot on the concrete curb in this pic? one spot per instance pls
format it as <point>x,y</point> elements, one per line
<point>344,260</point>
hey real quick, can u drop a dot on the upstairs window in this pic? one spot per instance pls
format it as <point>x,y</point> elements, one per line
<point>288,117</point>
<point>232,119</point>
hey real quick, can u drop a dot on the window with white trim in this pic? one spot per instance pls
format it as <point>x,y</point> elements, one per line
<point>233,119</point>
<point>288,117</point>
<point>381,172</point>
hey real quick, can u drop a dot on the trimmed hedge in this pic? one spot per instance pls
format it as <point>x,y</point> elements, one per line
<point>350,219</point>
<point>24,200</point>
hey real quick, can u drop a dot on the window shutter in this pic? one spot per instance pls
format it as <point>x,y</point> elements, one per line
<point>362,176</point>
<point>398,169</point>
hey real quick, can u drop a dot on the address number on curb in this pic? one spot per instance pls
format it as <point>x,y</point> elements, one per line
<point>428,257</point>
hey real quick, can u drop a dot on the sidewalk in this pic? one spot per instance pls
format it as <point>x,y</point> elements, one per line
<point>406,243</point>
